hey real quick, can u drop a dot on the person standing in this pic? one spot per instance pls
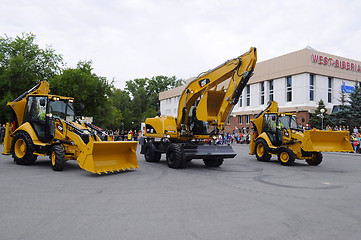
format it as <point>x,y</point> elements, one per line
<point>135,135</point>
<point>2,132</point>
<point>355,142</point>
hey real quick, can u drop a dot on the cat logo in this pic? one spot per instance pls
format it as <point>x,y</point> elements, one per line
<point>203,82</point>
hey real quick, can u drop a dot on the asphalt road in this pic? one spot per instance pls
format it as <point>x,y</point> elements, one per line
<point>242,199</point>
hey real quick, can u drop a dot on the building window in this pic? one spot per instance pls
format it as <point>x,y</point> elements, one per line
<point>329,91</point>
<point>271,90</point>
<point>240,119</point>
<point>248,95</point>
<point>241,100</point>
<point>262,93</point>
<point>247,119</point>
<point>312,82</point>
<point>289,88</point>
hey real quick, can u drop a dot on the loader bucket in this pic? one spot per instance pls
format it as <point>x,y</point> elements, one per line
<point>103,157</point>
<point>327,141</point>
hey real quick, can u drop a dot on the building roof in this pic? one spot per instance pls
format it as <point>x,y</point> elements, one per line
<point>309,61</point>
<point>305,60</point>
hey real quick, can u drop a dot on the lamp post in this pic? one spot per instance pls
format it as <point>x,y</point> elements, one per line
<point>322,110</point>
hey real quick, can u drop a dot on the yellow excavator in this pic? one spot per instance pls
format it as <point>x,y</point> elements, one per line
<point>202,112</point>
<point>278,134</point>
<point>45,125</point>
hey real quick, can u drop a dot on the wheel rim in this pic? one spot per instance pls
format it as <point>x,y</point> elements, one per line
<point>53,158</point>
<point>20,148</point>
<point>260,150</point>
<point>284,157</point>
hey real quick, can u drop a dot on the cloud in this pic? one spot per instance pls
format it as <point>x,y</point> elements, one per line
<point>138,38</point>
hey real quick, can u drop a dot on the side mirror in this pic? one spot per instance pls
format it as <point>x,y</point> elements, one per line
<point>42,102</point>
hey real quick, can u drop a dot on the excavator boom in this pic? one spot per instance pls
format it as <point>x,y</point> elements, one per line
<point>204,108</point>
<point>214,106</point>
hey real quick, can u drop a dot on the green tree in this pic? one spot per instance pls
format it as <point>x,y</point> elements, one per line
<point>22,63</point>
<point>88,89</point>
<point>121,102</point>
<point>144,94</point>
<point>316,118</point>
<point>354,108</point>
<point>341,117</point>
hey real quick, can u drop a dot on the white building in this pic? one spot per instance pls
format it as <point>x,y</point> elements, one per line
<point>297,81</point>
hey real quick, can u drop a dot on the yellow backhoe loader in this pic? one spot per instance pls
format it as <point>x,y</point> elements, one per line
<point>203,110</point>
<point>45,125</point>
<point>278,134</point>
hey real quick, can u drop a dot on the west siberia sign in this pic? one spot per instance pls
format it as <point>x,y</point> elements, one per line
<point>327,61</point>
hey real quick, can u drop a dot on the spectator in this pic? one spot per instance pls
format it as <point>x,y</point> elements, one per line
<point>355,142</point>
<point>2,132</point>
<point>135,135</point>
<point>355,130</point>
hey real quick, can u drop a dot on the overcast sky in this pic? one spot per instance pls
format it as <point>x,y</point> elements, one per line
<point>128,39</point>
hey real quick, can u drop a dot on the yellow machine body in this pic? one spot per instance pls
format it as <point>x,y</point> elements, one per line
<point>277,134</point>
<point>61,138</point>
<point>204,108</point>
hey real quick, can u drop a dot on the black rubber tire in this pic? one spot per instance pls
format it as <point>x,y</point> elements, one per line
<point>262,150</point>
<point>150,154</point>
<point>175,157</point>
<point>215,162</point>
<point>315,160</point>
<point>286,156</point>
<point>22,149</point>
<point>57,158</point>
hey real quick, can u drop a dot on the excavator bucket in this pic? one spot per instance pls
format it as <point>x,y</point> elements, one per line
<point>327,141</point>
<point>103,157</point>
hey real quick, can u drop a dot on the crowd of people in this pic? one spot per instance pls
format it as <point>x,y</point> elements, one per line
<point>121,135</point>
<point>234,137</point>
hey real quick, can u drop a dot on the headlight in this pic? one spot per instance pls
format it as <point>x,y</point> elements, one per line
<point>286,134</point>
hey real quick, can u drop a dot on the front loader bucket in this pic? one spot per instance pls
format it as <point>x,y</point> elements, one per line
<point>102,157</point>
<point>327,141</point>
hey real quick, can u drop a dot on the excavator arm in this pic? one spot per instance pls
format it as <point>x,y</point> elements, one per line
<point>212,106</point>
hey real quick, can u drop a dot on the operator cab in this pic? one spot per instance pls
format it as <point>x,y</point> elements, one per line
<point>276,126</point>
<point>42,111</point>
<point>198,127</point>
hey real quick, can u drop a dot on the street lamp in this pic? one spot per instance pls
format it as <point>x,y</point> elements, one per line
<point>322,110</point>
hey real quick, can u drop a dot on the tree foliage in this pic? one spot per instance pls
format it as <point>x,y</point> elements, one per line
<point>316,118</point>
<point>88,89</point>
<point>22,63</point>
<point>340,117</point>
<point>350,109</point>
<point>354,107</point>
<point>145,93</point>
